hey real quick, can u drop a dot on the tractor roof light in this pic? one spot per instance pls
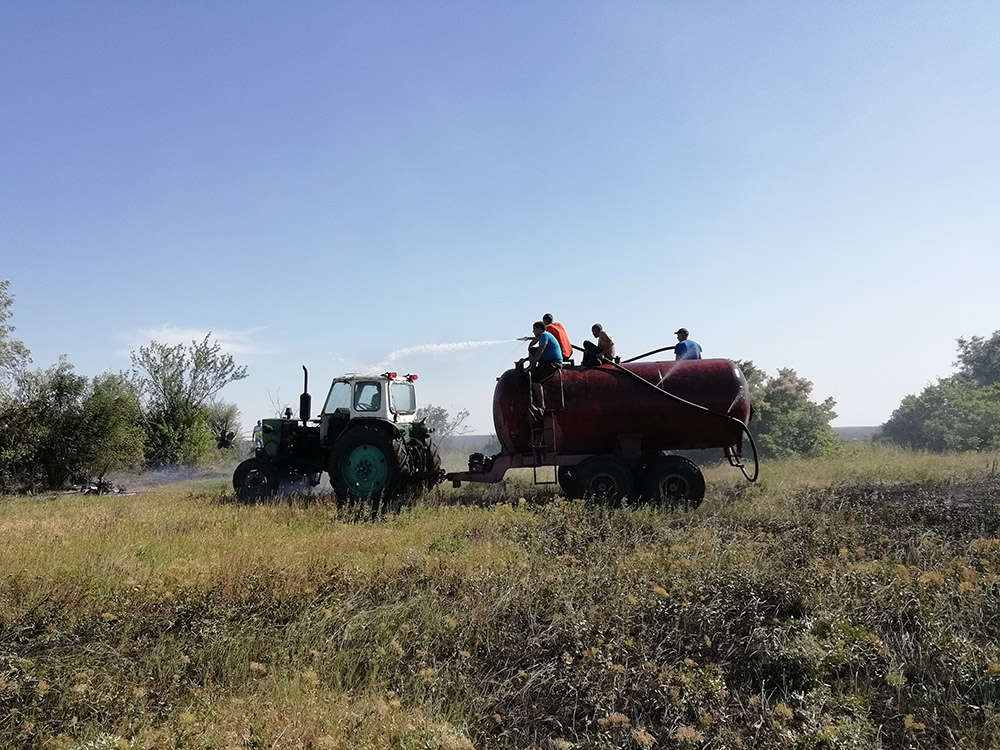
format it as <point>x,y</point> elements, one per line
<point>411,377</point>
<point>390,375</point>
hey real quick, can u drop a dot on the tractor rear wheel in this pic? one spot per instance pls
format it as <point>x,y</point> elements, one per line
<point>367,464</point>
<point>433,459</point>
<point>424,464</point>
<point>672,482</point>
<point>255,480</point>
<point>603,479</point>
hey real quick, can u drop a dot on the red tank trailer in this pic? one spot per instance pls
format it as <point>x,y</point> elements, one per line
<point>608,431</point>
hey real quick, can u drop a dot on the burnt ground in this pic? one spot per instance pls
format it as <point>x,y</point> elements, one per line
<point>954,508</point>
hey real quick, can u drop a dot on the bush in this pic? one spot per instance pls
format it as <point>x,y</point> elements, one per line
<point>60,426</point>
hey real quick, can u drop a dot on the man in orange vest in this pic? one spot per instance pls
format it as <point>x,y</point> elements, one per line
<point>557,330</point>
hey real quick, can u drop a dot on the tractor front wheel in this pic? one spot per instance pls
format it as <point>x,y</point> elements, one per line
<point>366,464</point>
<point>255,480</point>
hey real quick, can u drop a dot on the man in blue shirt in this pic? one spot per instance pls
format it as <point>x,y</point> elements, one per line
<point>544,358</point>
<point>686,349</point>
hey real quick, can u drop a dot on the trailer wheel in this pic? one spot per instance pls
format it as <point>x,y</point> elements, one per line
<point>672,482</point>
<point>566,477</point>
<point>604,480</point>
<point>255,480</point>
<point>366,464</point>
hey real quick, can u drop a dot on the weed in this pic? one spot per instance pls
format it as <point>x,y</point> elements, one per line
<point>846,602</point>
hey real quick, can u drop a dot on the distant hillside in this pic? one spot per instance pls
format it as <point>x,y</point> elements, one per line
<point>469,444</point>
<point>855,433</point>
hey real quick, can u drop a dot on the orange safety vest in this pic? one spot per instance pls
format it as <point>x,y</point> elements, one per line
<point>559,332</point>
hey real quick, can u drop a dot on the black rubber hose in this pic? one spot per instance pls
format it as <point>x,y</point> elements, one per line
<point>655,351</point>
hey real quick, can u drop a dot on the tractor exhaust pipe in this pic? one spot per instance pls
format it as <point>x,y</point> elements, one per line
<point>305,400</point>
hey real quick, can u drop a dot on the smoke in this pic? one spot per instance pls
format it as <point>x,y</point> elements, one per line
<point>429,350</point>
<point>151,479</point>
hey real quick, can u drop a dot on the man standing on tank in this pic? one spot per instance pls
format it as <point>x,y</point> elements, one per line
<point>557,330</point>
<point>685,348</point>
<point>544,358</point>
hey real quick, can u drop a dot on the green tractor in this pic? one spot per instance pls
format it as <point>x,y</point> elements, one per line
<point>367,438</point>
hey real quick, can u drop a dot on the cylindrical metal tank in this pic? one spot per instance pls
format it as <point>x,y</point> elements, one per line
<point>593,406</point>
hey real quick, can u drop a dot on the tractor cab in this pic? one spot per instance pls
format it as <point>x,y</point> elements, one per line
<point>388,397</point>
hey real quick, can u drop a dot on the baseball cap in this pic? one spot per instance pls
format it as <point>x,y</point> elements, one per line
<point>681,330</point>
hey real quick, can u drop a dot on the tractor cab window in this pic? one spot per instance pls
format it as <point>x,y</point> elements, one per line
<point>367,396</point>
<point>339,398</point>
<point>404,398</point>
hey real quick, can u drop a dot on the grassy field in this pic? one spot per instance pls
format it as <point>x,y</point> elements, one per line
<point>842,603</point>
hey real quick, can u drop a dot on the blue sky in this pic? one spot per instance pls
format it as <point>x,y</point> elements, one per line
<point>810,185</point>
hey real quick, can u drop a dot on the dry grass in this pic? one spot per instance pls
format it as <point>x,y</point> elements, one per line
<point>847,602</point>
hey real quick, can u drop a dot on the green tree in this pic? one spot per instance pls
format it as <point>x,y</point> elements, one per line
<point>979,359</point>
<point>224,422</point>
<point>114,434</point>
<point>14,355</point>
<point>60,426</point>
<point>954,414</point>
<point>23,433</point>
<point>443,424</point>
<point>176,385</point>
<point>786,421</point>
<point>958,413</point>
<point>55,399</point>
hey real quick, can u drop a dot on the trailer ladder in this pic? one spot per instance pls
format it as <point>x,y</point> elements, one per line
<point>543,447</point>
<point>543,433</point>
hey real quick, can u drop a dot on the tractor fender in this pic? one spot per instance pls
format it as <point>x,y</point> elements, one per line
<point>392,432</point>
